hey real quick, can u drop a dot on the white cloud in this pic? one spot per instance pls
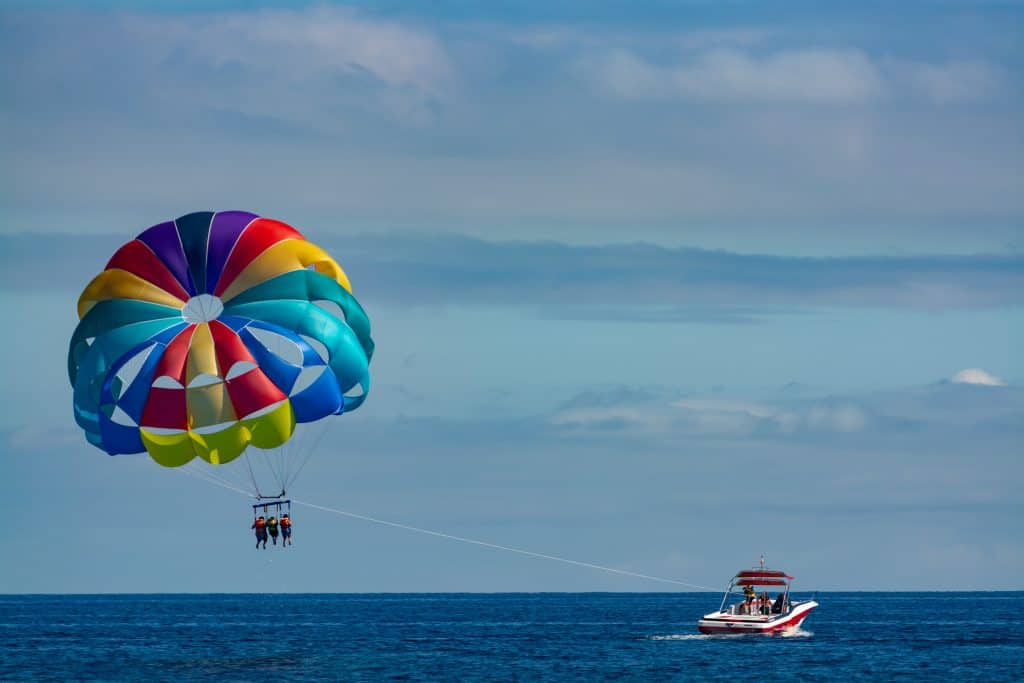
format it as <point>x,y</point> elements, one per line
<point>835,76</point>
<point>725,417</point>
<point>489,129</point>
<point>958,81</point>
<point>814,76</point>
<point>310,67</point>
<point>714,417</point>
<point>977,376</point>
<point>305,42</point>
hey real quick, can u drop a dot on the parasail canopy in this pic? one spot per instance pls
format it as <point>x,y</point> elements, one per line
<point>213,332</point>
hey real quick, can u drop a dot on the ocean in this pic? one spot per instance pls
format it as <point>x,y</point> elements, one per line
<point>508,636</point>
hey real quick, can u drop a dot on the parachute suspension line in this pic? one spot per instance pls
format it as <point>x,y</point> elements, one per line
<point>197,474</point>
<point>282,454</point>
<point>252,477</point>
<point>206,474</point>
<point>270,460</point>
<point>318,429</point>
<point>323,429</point>
<point>282,460</point>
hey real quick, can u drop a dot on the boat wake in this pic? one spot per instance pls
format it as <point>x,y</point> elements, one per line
<point>685,636</point>
<point>796,633</point>
<point>790,633</point>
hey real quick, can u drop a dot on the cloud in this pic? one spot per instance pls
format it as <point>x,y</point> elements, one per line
<point>625,282</point>
<point>715,418</point>
<point>745,136</point>
<point>977,376</point>
<point>941,411</point>
<point>956,81</point>
<point>319,68</point>
<point>811,76</point>
<point>643,281</point>
<point>808,76</point>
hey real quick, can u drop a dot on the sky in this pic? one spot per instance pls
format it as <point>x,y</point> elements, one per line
<point>658,286</point>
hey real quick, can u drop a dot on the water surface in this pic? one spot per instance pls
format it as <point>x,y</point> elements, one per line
<point>550,636</point>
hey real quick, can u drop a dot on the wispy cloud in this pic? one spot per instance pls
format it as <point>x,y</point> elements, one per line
<point>955,81</point>
<point>653,278</point>
<point>638,282</point>
<point>571,130</point>
<point>318,68</point>
<point>810,76</point>
<point>923,413</point>
<point>814,76</point>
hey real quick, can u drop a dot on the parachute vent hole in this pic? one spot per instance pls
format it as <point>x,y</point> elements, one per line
<point>202,309</point>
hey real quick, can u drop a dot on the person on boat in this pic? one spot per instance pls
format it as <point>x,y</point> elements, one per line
<point>766,603</point>
<point>748,601</point>
<point>260,526</point>
<point>777,607</point>
<point>272,528</point>
<point>286,530</point>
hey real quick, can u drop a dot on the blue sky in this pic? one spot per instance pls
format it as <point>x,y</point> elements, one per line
<point>657,285</point>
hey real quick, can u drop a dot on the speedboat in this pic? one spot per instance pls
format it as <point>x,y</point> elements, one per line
<point>757,613</point>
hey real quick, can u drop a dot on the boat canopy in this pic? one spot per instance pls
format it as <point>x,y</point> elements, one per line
<point>761,582</point>
<point>761,577</point>
<point>762,573</point>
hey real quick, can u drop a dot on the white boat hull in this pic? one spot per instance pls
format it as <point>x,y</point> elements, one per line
<point>723,622</point>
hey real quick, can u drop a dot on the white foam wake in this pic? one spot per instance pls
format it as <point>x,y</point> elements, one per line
<point>684,636</point>
<point>797,632</point>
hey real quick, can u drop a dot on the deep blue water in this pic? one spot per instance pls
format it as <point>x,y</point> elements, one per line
<point>553,636</point>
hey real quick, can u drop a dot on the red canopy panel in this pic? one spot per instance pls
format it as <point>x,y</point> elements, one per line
<point>762,573</point>
<point>761,582</point>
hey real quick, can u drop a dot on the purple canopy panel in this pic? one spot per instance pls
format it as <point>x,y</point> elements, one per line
<point>163,239</point>
<point>225,230</point>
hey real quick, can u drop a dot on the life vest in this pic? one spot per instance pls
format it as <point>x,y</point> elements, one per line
<point>259,524</point>
<point>272,524</point>
<point>286,522</point>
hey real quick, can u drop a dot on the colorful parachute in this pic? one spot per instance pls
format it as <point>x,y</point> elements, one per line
<point>212,332</point>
